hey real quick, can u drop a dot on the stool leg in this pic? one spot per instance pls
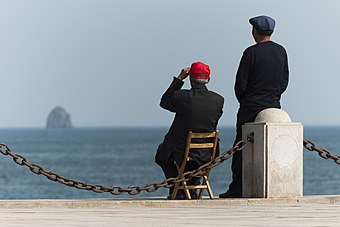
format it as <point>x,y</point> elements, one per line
<point>186,190</point>
<point>174,193</point>
<point>208,187</point>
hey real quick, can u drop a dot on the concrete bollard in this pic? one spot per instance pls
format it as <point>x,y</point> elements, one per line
<point>273,164</point>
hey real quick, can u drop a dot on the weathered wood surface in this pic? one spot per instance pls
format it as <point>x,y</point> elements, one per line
<point>306,211</point>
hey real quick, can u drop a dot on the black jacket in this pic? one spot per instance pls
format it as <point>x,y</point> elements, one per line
<point>262,76</point>
<point>197,110</point>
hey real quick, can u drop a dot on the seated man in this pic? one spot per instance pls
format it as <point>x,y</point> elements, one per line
<point>197,110</point>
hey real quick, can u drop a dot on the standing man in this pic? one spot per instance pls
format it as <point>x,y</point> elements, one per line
<point>261,78</point>
<point>197,110</point>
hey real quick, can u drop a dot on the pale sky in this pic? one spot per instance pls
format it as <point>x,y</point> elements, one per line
<point>108,62</point>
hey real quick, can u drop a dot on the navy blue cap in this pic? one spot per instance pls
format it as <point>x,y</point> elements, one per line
<point>263,23</point>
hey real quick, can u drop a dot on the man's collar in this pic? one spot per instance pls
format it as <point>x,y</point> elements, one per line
<point>200,87</point>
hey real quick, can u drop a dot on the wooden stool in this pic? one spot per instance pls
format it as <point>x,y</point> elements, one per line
<point>190,145</point>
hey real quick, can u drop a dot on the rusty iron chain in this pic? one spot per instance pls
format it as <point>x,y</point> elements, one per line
<point>132,189</point>
<point>323,152</point>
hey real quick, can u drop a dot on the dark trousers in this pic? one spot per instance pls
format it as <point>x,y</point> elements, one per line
<point>170,170</point>
<point>235,187</point>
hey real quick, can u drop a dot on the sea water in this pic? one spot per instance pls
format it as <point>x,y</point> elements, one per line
<point>125,156</point>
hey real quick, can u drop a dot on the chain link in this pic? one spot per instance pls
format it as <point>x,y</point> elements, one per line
<point>323,152</point>
<point>133,189</point>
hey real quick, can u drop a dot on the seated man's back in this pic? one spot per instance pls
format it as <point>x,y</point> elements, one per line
<point>197,110</point>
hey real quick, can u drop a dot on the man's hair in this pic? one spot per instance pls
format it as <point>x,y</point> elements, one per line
<point>265,33</point>
<point>196,81</point>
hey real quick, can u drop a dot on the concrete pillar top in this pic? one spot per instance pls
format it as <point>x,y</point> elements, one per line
<point>273,115</point>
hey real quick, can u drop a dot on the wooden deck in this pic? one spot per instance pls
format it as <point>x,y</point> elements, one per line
<point>305,211</point>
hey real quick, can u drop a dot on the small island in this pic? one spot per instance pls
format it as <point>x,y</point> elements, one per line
<point>59,118</point>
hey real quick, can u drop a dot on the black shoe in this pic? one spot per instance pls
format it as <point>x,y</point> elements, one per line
<point>180,195</point>
<point>193,194</point>
<point>228,194</point>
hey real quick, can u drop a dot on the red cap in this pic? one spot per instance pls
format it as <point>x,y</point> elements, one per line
<point>199,70</point>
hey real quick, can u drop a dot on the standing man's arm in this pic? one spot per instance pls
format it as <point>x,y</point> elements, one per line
<point>242,75</point>
<point>167,100</point>
<point>285,75</point>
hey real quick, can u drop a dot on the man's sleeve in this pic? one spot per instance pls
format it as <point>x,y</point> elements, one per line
<point>285,75</point>
<point>242,77</point>
<point>221,110</point>
<point>168,98</point>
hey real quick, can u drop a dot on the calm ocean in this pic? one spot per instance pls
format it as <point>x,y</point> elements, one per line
<point>125,156</point>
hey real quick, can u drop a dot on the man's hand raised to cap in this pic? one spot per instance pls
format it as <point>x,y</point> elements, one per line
<point>184,73</point>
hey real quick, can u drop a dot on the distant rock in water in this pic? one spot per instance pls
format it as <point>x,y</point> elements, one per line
<point>59,118</point>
